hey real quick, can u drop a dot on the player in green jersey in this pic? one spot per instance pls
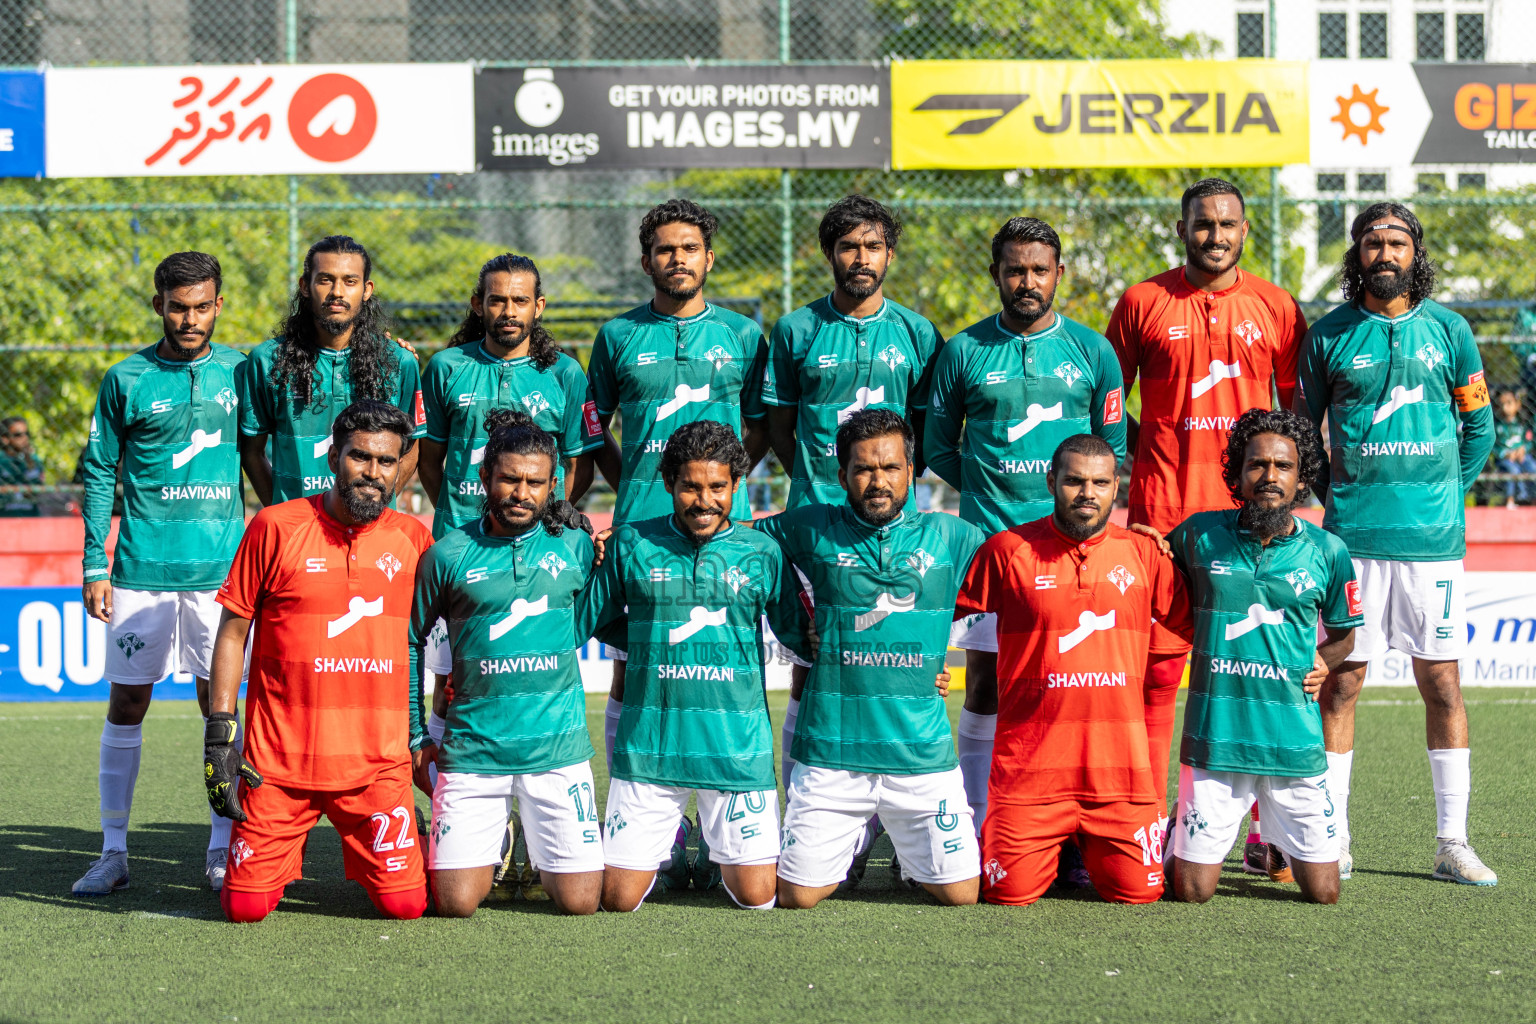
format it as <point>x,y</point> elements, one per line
<point>674,360</point>
<point>1400,381</point>
<point>873,736</point>
<point>1261,581</point>
<point>167,418</point>
<point>694,587</point>
<point>1006,392</point>
<point>331,350</point>
<point>507,585</point>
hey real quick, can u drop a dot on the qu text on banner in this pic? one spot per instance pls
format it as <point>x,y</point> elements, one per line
<point>1130,113</point>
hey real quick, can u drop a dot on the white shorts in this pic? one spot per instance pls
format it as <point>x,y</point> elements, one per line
<point>437,656</point>
<point>1297,815</point>
<point>1419,608</point>
<point>613,652</point>
<point>156,632</point>
<point>740,828</point>
<point>558,810</point>
<point>974,633</point>
<point>926,816</point>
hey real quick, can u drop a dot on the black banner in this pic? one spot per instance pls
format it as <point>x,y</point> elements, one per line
<point>1479,113</point>
<point>793,116</point>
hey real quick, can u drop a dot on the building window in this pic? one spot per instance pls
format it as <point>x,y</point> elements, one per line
<point>1469,181</point>
<point>1471,44</point>
<point>1330,212</point>
<point>1333,35</point>
<point>1429,29</point>
<point>1430,183</point>
<point>1250,35</point>
<point>1371,181</point>
<point>1373,35</point>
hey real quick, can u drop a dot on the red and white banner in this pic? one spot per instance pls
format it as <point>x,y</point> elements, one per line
<point>260,119</point>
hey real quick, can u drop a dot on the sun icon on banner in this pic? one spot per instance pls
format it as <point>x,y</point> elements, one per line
<point>1348,108</point>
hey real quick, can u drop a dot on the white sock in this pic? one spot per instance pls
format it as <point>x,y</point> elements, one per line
<point>749,906</point>
<point>974,748</point>
<point>611,728</point>
<point>1452,773</point>
<point>1339,768</point>
<point>218,825</point>
<point>787,738</point>
<point>436,726</point>
<point>119,770</point>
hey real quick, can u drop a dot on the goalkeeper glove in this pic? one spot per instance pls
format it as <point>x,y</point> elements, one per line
<point>223,765</point>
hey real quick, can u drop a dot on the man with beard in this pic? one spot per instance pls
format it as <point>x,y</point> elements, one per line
<point>873,736</point>
<point>167,417</point>
<point>1261,582</point>
<point>1207,340</point>
<point>1075,597</point>
<point>1018,383</point>
<point>507,585</point>
<point>327,581</point>
<point>690,590</point>
<point>331,350</point>
<point>1394,372</point>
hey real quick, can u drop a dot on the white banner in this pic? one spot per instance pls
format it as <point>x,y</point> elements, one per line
<point>260,119</point>
<point>1501,630</point>
<point>1365,113</point>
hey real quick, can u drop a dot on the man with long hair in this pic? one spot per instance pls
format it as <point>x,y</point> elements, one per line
<point>1409,425</point>
<point>333,348</point>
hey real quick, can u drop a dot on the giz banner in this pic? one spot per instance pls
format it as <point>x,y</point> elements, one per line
<point>260,119</point>
<point>752,116</point>
<point>1130,113</point>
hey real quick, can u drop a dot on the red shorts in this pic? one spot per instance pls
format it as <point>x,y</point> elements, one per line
<point>1121,844</point>
<point>377,822</point>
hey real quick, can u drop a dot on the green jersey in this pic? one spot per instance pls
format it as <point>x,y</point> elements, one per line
<point>301,437</point>
<point>828,366</point>
<point>1393,391</point>
<point>174,428</point>
<point>1257,608</point>
<point>884,600</point>
<point>463,383</point>
<point>510,606</point>
<point>660,372</point>
<point>695,712</point>
<point>1017,397</point>
<point>1510,437</point>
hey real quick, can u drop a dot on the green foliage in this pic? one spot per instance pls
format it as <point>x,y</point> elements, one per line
<point>1030,29</point>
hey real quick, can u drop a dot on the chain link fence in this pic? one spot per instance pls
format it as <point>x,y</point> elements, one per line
<point>81,252</point>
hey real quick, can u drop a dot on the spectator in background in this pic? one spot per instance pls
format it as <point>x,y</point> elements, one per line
<point>19,466</point>
<point>1512,443</point>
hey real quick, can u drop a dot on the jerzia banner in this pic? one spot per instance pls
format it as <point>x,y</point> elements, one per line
<point>794,116</point>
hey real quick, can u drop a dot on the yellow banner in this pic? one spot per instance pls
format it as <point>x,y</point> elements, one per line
<point>1112,113</point>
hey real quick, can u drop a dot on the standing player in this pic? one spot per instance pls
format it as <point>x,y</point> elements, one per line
<point>168,418</point>
<point>327,581</point>
<point>674,360</point>
<point>1075,598</point>
<point>874,737</point>
<point>1208,341</point>
<point>330,351</point>
<point>1018,382</point>
<point>1396,373</point>
<point>695,718</point>
<point>1261,581</point>
<point>507,585</point>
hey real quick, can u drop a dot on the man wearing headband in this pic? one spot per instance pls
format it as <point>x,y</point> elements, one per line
<point>1396,373</point>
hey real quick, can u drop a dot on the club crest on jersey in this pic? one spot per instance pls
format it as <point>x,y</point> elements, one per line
<point>719,356</point>
<point>227,399</point>
<point>1194,821</point>
<point>891,356</point>
<point>239,850</point>
<point>1429,355</point>
<point>1248,331</point>
<point>130,644</point>
<point>1069,373</point>
<point>920,560</point>
<point>1121,577</point>
<point>735,579</point>
<point>440,827</point>
<point>389,565</point>
<point>553,564</point>
<point>1301,581</point>
<point>616,824</point>
<point>535,403</point>
<point>438,635</point>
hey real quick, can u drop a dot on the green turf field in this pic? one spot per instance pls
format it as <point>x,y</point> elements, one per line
<point>1398,947</point>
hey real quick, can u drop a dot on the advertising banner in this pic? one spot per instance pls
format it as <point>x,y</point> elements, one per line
<point>1501,635</point>
<point>795,116</point>
<point>260,119</point>
<point>21,124</point>
<point>1129,113</point>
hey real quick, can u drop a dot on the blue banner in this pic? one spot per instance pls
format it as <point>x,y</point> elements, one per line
<point>22,152</point>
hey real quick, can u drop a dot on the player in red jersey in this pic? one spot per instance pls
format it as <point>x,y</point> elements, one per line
<point>1208,341</point>
<point>327,581</point>
<point>1075,598</point>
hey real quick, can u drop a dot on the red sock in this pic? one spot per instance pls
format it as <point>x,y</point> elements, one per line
<point>1254,835</point>
<point>1160,694</point>
<point>246,907</point>
<point>403,904</point>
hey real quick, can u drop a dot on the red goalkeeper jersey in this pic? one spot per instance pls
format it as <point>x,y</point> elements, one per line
<point>1204,359</point>
<point>1072,629</point>
<point>331,608</point>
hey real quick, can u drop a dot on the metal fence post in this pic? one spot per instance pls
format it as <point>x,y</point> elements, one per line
<point>291,54</point>
<point>1274,172</point>
<point>786,194</point>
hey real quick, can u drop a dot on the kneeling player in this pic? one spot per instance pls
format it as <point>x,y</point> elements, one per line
<point>1262,580</point>
<point>695,716</point>
<point>327,581</point>
<point>872,735</point>
<point>1075,597</point>
<point>507,586</point>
